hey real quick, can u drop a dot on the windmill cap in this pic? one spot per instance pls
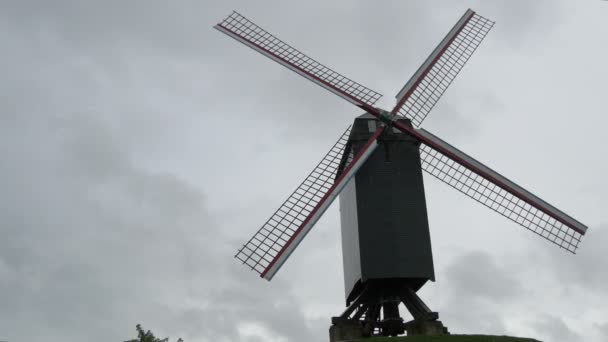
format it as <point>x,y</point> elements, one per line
<point>367,115</point>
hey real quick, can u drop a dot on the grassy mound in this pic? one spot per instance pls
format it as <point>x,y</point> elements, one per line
<point>452,338</point>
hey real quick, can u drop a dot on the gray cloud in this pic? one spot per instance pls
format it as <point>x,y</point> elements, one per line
<point>584,271</point>
<point>477,287</point>
<point>123,246</point>
<point>555,329</point>
<point>75,260</point>
<point>477,275</point>
<point>603,329</point>
<point>91,235</point>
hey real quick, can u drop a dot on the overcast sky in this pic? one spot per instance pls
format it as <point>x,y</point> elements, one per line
<point>139,148</point>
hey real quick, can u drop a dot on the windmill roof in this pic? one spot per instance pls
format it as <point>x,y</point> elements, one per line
<point>366,115</point>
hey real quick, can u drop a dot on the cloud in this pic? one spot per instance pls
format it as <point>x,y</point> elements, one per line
<point>554,329</point>
<point>477,289</point>
<point>92,234</point>
<point>123,246</point>
<point>476,275</point>
<point>603,329</point>
<point>586,270</point>
<point>83,226</point>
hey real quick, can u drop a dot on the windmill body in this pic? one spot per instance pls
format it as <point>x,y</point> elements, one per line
<point>376,167</point>
<point>385,231</point>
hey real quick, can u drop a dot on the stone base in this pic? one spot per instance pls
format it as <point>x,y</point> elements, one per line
<point>346,331</point>
<point>419,327</point>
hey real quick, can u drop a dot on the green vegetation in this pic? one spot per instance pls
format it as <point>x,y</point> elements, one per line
<point>452,338</point>
<point>148,336</point>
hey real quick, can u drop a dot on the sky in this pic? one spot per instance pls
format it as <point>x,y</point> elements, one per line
<point>140,148</point>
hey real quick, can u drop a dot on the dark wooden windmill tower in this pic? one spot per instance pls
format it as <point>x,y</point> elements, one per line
<point>376,167</point>
<point>386,242</point>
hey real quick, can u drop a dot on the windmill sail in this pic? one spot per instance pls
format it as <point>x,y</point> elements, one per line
<point>250,34</point>
<point>491,189</point>
<point>423,90</point>
<point>274,242</point>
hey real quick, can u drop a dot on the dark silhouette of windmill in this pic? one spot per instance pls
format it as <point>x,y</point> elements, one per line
<point>376,167</point>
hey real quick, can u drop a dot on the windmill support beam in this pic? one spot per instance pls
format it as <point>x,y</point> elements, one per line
<point>375,312</point>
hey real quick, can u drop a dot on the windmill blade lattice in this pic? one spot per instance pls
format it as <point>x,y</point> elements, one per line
<point>423,90</point>
<point>268,241</point>
<point>509,200</point>
<point>250,34</point>
<point>273,243</point>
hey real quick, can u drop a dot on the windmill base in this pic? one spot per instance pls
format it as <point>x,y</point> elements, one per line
<point>352,330</point>
<point>415,327</point>
<point>375,312</point>
<point>348,330</point>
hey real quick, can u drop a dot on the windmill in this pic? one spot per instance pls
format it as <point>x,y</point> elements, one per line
<point>376,167</point>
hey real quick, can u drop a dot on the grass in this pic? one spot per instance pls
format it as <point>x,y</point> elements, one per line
<point>452,338</point>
